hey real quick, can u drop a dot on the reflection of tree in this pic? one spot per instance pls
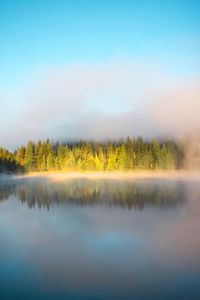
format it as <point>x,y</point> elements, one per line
<point>135,195</point>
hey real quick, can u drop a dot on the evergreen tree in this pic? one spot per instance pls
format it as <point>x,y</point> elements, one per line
<point>122,158</point>
<point>29,157</point>
<point>20,156</point>
<point>155,148</point>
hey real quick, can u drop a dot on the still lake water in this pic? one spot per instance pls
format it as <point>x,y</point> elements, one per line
<point>99,239</point>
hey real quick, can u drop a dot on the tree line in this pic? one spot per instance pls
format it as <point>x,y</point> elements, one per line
<point>129,154</point>
<point>126,154</point>
<point>8,162</point>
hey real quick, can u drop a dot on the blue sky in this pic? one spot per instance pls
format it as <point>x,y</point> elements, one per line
<point>39,36</point>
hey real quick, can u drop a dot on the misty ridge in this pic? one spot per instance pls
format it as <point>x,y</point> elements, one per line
<point>109,100</point>
<point>117,155</point>
<point>89,104</point>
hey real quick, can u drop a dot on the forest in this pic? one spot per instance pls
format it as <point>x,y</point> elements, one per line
<point>129,154</point>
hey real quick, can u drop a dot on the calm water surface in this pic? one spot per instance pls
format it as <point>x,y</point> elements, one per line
<point>99,239</point>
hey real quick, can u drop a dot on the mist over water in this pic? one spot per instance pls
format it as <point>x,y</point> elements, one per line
<point>100,239</point>
<point>191,148</point>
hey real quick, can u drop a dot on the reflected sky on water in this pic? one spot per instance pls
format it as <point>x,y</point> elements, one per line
<point>99,239</point>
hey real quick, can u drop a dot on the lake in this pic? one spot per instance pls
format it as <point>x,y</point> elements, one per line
<point>99,239</point>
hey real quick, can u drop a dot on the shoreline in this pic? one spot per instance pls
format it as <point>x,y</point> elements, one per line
<point>117,175</point>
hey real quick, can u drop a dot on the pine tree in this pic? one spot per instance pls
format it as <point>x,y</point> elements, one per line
<point>155,148</point>
<point>20,156</point>
<point>122,158</point>
<point>98,164</point>
<point>29,162</point>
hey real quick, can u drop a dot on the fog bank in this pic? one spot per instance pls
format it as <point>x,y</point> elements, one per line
<point>109,101</point>
<point>191,147</point>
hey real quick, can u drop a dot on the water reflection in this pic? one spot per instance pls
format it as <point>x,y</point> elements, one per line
<point>132,195</point>
<point>89,246</point>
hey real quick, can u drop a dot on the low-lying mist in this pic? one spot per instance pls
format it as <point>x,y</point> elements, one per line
<point>191,149</point>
